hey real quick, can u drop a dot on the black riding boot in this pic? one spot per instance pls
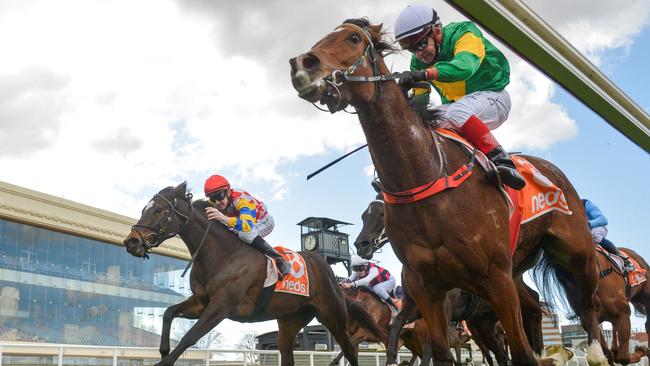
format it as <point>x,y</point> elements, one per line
<point>506,168</point>
<point>260,244</point>
<point>610,247</point>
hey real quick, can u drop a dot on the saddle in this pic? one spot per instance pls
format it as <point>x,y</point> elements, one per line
<point>632,279</point>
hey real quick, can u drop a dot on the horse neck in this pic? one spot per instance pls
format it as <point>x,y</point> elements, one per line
<point>217,238</point>
<point>400,144</point>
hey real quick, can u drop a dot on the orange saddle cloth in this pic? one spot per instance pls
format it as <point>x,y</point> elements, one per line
<point>297,280</point>
<point>538,197</point>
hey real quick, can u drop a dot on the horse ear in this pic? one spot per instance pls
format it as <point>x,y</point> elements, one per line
<point>375,30</point>
<point>180,189</point>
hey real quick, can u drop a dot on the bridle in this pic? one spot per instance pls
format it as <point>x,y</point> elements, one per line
<point>160,233</point>
<point>339,76</point>
<point>381,239</point>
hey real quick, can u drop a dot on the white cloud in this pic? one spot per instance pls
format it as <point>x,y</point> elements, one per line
<point>120,99</point>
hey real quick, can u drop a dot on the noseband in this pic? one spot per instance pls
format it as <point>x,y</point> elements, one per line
<point>338,77</point>
<point>160,233</point>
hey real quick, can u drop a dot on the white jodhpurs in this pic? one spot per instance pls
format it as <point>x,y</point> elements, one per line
<point>598,234</point>
<point>382,289</point>
<point>489,106</point>
<point>262,228</point>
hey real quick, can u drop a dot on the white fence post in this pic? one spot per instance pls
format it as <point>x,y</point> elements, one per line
<point>60,356</point>
<point>311,359</point>
<point>114,357</point>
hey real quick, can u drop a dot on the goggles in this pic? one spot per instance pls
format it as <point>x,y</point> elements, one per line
<point>359,268</point>
<point>419,44</point>
<point>218,196</point>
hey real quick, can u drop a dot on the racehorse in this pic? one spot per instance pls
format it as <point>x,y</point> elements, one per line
<point>615,298</point>
<point>227,277</point>
<point>377,310</point>
<point>459,237</point>
<point>460,306</point>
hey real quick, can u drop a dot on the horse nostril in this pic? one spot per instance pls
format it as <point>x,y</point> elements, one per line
<point>310,62</point>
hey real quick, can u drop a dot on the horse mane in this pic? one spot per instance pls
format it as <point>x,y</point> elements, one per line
<point>383,43</point>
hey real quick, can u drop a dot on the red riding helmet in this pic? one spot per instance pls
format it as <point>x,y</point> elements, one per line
<point>215,183</point>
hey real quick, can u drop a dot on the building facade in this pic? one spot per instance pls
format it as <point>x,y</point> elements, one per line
<point>66,278</point>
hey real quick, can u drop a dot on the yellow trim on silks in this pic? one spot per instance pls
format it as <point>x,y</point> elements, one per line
<point>452,91</point>
<point>421,91</point>
<point>469,42</point>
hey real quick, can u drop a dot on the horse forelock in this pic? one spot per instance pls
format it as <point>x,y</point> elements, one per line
<point>380,38</point>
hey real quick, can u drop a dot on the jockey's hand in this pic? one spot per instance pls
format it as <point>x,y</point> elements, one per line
<point>409,78</point>
<point>347,284</point>
<point>216,215</point>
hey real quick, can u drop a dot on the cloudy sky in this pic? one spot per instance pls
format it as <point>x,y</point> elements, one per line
<point>107,102</point>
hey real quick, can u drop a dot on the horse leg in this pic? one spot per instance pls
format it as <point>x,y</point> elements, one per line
<point>501,292</point>
<point>531,313</point>
<point>188,309</point>
<point>621,330</point>
<point>426,353</point>
<point>408,312</point>
<point>357,337</point>
<point>484,330</point>
<point>335,320</point>
<point>432,308</point>
<point>212,315</point>
<point>287,330</point>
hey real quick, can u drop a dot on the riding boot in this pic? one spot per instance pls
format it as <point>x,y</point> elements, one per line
<point>479,134</point>
<point>260,244</point>
<point>393,307</point>
<point>610,247</point>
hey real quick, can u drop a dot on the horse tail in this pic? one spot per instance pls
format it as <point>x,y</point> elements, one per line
<point>357,313</point>
<point>547,276</point>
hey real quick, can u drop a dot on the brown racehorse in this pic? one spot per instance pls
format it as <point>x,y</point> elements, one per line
<point>227,277</point>
<point>615,306</point>
<point>458,237</point>
<point>380,312</point>
<point>480,317</point>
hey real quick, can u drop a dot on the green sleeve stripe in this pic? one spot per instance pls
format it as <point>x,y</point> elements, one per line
<point>461,67</point>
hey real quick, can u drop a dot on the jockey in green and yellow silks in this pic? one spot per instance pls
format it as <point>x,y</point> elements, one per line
<point>468,72</point>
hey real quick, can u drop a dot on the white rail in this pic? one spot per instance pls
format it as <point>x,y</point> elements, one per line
<point>12,353</point>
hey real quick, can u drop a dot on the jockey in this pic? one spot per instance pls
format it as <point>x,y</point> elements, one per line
<point>470,75</point>
<point>243,213</point>
<point>377,279</point>
<point>598,226</point>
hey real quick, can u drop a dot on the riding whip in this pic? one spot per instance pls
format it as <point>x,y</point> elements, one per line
<point>207,229</point>
<point>335,161</point>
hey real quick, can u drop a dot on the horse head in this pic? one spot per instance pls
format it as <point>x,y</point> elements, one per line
<point>165,215</point>
<point>372,236</point>
<point>345,67</point>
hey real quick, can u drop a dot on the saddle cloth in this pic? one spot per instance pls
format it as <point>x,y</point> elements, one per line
<point>635,277</point>
<point>538,197</point>
<point>296,281</point>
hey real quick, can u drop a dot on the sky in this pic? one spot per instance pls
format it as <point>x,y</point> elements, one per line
<point>107,102</point>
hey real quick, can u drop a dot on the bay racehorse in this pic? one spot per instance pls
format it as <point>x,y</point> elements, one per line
<point>615,299</point>
<point>227,276</point>
<point>459,305</point>
<point>458,237</point>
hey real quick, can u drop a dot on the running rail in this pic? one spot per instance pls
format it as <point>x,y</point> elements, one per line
<point>524,32</point>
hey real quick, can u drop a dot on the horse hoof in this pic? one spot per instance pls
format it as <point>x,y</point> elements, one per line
<point>642,349</point>
<point>558,354</point>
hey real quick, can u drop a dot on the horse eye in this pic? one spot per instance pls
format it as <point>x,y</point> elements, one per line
<point>355,38</point>
<point>158,210</point>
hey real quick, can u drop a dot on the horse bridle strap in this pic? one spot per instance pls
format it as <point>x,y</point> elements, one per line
<point>160,233</point>
<point>429,189</point>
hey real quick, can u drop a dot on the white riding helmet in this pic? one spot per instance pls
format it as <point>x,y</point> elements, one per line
<point>414,21</point>
<point>358,261</point>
